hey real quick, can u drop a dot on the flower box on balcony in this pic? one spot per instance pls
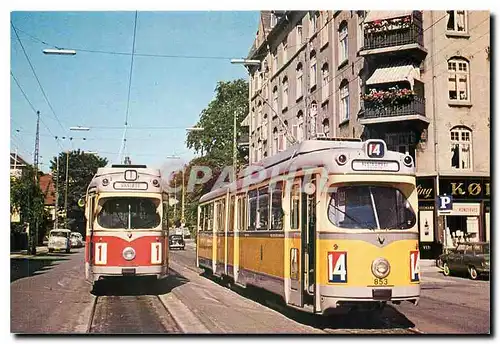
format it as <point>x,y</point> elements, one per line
<point>378,26</point>
<point>394,96</point>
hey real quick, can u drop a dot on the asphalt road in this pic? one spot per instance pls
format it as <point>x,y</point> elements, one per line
<point>49,295</point>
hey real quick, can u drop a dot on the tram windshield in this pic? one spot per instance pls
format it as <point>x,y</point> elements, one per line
<point>373,207</point>
<point>129,213</point>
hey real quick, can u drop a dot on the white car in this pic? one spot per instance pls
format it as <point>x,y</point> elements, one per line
<point>59,240</point>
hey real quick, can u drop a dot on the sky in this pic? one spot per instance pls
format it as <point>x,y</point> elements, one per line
<point>90,89</point>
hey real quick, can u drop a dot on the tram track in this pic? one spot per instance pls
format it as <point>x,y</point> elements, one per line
<point>120,311</point>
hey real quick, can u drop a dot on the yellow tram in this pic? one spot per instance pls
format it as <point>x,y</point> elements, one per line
<point>325,224</point>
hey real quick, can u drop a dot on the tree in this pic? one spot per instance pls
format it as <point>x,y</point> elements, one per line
<point>215,141</point>
<point>27,198</point>
<point>81,169</point>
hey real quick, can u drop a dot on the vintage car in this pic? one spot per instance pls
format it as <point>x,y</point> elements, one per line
<point>472,258</point>
<point>176,241</point>
<point>76,239</point>
<point>59,240</point>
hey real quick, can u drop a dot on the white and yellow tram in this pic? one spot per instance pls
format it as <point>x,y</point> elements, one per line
<point>126,225</point>
<point>325,224</point>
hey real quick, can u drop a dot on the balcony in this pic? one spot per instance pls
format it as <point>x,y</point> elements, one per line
<point>405,38</point>
<point>414,110</point>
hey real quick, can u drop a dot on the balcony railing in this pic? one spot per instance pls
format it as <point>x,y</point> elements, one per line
<point>394,38</point>
<point>414,107</point>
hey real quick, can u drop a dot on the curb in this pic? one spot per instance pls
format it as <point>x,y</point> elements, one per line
<point>182,315</point>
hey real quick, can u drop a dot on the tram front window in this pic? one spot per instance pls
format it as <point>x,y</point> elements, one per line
<point>129,213</point>
<point>373,207</point>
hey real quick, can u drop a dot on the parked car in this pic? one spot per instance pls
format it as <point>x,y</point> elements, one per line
<point>76,239</point>
<point>470,257</point>
<point>176,241</point>
<point>59,240</point>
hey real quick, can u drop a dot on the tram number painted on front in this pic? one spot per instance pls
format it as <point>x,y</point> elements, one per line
<point>337,267</point>
<point>101,251</point>
<point>415,266</point>
<point>380,281</point>
<point>155,253</point>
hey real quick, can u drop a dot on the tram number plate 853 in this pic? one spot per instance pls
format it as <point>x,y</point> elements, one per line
<point>380,281</point>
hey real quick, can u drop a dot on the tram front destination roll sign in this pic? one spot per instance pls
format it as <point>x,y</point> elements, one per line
<point>375,165</point>
<point>130,186</point>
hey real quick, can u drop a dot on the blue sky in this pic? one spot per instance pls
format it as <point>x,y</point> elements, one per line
<point>90,89</point>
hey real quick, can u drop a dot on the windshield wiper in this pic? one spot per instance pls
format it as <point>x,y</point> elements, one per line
<point>358,222</point>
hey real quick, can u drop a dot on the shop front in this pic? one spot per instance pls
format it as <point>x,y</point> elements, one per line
<point>468,220</point>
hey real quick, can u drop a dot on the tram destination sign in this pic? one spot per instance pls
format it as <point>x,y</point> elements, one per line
<point>375,165</point>
<point>130,186</point>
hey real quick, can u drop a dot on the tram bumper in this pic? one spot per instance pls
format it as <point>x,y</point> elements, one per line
<point>100,272</point>
<point>347,297</point>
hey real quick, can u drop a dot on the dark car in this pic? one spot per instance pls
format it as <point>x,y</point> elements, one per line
<point>176,241</point>
<point>470,257</point>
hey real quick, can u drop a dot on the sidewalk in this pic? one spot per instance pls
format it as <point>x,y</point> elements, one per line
<point>23,253</point>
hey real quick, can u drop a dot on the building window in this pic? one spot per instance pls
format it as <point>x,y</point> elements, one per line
<point>312,23</point>
<point>326,127</point>
<point>285,93</point>
<point>259,115</point>
<point>313,114</point>
<point>324,30</point>
<point>264,128</point>
<point>461,148</point>
<point>457,21</point>
<point>458,79</point>
<point>402,142</point>
<point>275,62</point>
<point>344,100</point>
<point>299,85</point>
<point>343,46</point>
<point>285,48</point>
<point>275,100</point>
<point>312,71</point>
<point>325,81</point>
<point>275,140</point>
<point>259,80</point>
<point>300,126</point>
<point>361,88</point>
<point>361,31</point>
<point>299,36</point>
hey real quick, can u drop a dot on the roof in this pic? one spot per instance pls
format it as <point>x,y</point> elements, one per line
<point>381,15</point>
<point>60,230</point>
<point>20,160</point>
<point>394,73</point>
<point>48,189</point>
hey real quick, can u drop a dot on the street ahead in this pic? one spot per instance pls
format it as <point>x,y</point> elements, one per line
<point>49,295</point>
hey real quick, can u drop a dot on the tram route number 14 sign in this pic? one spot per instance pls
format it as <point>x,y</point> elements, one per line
<point>337,267</point>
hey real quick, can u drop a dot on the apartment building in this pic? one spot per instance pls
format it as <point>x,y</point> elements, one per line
<point>420,80</point>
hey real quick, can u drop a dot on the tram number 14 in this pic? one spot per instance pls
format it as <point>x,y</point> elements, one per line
<point>337,267</point>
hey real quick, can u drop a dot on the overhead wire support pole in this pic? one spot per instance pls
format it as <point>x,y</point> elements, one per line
<point>34,232</point>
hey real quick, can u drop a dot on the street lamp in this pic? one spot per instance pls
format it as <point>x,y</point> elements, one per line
<point>59,52</point>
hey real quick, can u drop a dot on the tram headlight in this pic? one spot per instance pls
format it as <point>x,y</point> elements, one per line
<point>381,268</point>
<point>341,159</point>
<point>128,253</point>
<point>105,182</point>
<point>408,161</point>
<point>156,182</point>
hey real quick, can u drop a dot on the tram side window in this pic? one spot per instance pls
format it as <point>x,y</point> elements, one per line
<point>242,214</point>
<point>202,219</point>
<point>252,209</point>
<point>221,215</point>
<point>263,209</point>
<point>91,212</point>
<point>231,214</point>
<point>294,206</point>
<point>277,206</point>
<point>210,217</point>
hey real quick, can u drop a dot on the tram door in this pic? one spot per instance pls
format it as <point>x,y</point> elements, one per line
<point>308,226</point>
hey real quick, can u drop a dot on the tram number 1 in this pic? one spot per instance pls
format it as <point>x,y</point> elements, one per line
<point>156,253</point>
<point>337,267</point>
<point>101,253</point>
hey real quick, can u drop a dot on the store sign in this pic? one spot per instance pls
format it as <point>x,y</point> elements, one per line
<point>465,209</point>
<point>425,189</point>
<point>466,187</point>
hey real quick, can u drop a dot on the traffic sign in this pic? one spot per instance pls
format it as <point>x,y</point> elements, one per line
<point>444,204</point>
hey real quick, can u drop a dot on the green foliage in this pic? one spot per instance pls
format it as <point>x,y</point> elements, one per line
<point>27,198</point>
<point>81,169</point>
<point>215,142</point>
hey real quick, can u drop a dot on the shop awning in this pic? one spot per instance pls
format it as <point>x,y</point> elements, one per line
<point>394,73</point>
<point>381,15</point>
